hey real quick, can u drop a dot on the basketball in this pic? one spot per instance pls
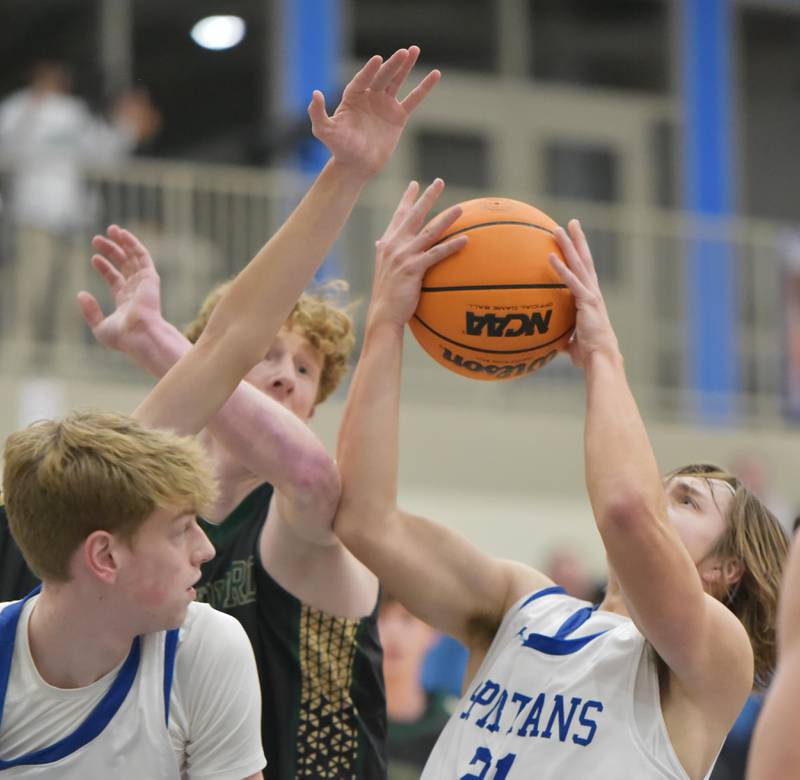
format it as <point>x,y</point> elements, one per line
<point>496,309</point>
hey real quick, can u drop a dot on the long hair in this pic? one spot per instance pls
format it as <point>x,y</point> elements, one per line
<point>754,536</point>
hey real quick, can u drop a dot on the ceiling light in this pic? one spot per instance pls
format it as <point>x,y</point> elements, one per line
<point>218,32</point>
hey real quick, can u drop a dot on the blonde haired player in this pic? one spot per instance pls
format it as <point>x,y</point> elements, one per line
<point>648,684</point>
<point>73,704</point>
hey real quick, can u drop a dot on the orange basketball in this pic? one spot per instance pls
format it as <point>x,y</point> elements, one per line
<point>496,309</point>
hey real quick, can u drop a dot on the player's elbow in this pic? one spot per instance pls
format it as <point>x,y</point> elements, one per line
<point>627,512</point>
<point>315,480</point>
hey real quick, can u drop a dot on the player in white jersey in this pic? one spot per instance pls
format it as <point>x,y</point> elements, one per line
<point>95,681</point>
<point>775,750</point>
<point>645,684</point>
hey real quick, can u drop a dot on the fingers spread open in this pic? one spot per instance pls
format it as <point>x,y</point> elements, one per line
<point>316,111</point>
<point>112,277</point>
<point>402,74</point>
<point>136,251</point>
<point>90,309</point>
<point>389,69</point>
<point>419,93</point>
<point>409,196</point>
<point>439,252</point>
<point>575,285</point>
<point>363,79</point>
<point>419,211</point>
<point>582,246</point>
<point>571,256</point>
<point>110,249</point>
<point>436,228</point>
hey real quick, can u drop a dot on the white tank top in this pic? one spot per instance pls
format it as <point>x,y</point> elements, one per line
<point>124,737</point>
<point>565,691</point>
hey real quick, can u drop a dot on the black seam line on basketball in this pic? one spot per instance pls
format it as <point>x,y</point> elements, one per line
<point>490,351</point>
<point>498,222</point>
<point>459,288</point>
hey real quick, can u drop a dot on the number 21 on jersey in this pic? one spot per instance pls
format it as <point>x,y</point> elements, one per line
<point>483,758</point>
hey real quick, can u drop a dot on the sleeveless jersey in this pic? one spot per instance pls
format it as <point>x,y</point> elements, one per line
<point>324,704</point>
<point>16,579</point>
<point>565,691</point>
<point>124,736</point>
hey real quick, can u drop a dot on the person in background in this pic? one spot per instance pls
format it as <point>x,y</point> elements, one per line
<point>47,137</point>
<point>416,717</point>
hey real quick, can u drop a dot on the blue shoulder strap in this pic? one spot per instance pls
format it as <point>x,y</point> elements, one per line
<point>97,719</point>
<point>560,643</point>
<point>171,645</point>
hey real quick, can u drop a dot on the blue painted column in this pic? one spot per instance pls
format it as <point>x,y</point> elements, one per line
<point>311,51</point>
<point>708,192</point>
<point>311,44</point>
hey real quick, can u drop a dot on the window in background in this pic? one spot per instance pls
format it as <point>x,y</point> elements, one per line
<point>664,154</point>
<point>770,110</point>
<point>65,30</point>
<point>211,101</point>
<point>615,43</point>
<point>451,33</point>
<point>461,159</point>
<point>577,171</point>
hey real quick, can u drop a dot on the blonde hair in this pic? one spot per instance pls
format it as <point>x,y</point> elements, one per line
<point>65,479</point>
<point>755,537</point>
<point>327,327</point>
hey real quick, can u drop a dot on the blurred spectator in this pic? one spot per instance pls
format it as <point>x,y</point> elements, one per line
<point>47,136</point>
<point>416,717</point>
<point>566,568</point>
<point>444,667</point>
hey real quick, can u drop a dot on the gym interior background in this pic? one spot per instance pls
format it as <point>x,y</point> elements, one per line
<point>665,125</point>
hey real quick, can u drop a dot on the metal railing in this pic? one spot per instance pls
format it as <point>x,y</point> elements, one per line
<point>202,223</point>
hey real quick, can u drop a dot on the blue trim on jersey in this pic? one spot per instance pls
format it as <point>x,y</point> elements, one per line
<point>553,645</point>
<point>553,589</point>
<point>170,646</point>
<point>97,719</point>
<point>9,618</point>
<point>574,621</point>
<point>559,644</point>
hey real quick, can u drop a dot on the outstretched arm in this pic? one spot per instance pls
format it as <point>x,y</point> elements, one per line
<point>434,572</point>
<point>361,135</point>
<point>265,436</point>
<point>775,751</point>
<point>701,641</point>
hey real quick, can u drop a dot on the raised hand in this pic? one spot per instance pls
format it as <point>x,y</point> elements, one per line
<point>407,250</point>
<point>367,124</point>
<point>593,330</point>
<point>128,270</point>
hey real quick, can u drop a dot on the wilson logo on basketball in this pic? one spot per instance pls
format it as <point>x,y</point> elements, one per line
<point>501,371</point>
<point>508,325</point>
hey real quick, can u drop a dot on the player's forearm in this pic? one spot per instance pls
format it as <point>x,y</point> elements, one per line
<point>263,294</point>
<point>272,442</point>
<point>248,317</point>
<point>156,346</point>
<point>620,464</point>
<point>265,437</point>
<point>367,451</point>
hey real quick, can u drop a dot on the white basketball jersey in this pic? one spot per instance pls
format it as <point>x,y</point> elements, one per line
<point>565,691</point>
<point>124,736</point>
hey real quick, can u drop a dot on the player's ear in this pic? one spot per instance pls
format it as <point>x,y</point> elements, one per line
<point>100,556</point>
<point>732,570</point>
